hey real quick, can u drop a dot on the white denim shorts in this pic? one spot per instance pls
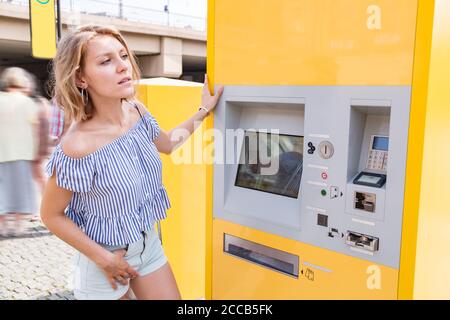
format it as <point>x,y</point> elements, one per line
<point>90,283</point>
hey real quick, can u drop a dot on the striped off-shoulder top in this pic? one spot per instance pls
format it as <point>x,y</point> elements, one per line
<point>117,190</point>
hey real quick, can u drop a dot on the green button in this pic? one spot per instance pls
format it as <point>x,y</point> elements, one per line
<point>323,192</point>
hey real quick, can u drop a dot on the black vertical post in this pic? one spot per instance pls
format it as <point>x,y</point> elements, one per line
<point>58,19</point>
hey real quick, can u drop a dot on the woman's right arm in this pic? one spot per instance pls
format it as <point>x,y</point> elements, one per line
<point>54,202</point>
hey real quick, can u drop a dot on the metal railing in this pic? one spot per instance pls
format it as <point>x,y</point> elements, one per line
<point>131,10</point>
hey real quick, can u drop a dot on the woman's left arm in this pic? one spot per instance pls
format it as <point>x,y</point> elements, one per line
<point>167,142</point>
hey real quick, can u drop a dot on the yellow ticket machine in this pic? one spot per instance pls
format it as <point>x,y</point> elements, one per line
<point>316,187</point>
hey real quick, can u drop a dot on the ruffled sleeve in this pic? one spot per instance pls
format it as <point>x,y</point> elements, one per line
<point>153,126</point>
<point>72,174</point>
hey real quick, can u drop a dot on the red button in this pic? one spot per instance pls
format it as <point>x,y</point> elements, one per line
<point>324,176</point>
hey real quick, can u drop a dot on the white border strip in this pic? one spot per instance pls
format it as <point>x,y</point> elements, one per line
<point>307,264</point>
<point>320,184</point>
<point>362,251</point>
<point>316,135</point>
<point>369,223</point>
<point>317,167</point>
<point>316,209</point>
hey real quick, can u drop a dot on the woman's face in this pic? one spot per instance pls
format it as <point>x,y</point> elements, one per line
<point>107,69</point>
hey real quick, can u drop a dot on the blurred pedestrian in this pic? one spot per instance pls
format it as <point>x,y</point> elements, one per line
<point>18,149</point>
<point>43,135</point>
<point>58,123</point>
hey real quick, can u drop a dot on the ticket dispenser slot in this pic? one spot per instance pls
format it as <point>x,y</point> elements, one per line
<point>261,255</point>
<point>362,241</point>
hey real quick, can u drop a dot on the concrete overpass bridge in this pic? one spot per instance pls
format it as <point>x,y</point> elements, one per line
<point>162,51</point>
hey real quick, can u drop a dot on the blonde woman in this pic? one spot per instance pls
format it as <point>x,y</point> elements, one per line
<point>105,191</point>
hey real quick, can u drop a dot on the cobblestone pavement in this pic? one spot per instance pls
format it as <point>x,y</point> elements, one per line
<point>35,265</point>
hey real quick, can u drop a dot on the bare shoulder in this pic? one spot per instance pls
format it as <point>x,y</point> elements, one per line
<point>78,142</point>
<point>84,138</point>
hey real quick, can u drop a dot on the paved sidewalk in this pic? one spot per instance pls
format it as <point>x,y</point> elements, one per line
<point>35,265</point>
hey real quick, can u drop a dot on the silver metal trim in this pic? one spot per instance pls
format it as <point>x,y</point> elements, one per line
<point>314,266</point>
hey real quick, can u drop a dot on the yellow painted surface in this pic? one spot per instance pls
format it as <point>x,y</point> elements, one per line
<point>209,170</point>
<point>350,278</point>
<point>310,42</point>
<point>185,227</point>
<point>209,220</point>
<point>415,148</point>
<point>43,28</point>
<point>433,257</point>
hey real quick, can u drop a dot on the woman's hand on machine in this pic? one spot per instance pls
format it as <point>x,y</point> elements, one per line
<point>208,101</point>
<point>117,269</point>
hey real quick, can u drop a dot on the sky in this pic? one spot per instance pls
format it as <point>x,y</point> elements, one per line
<point>183,13</point>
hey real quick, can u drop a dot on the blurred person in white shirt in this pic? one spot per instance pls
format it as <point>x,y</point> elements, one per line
<point>18,149</point>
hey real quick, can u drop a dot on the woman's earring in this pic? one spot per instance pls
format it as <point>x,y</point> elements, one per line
<point>84,96</point>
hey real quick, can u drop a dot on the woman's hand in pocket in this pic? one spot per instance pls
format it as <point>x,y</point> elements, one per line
<point>117,269</point>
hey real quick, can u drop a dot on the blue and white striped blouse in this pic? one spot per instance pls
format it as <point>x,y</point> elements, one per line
<point>118,191</point>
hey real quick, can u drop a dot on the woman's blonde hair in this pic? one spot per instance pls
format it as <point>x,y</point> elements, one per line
<point>70,59</point>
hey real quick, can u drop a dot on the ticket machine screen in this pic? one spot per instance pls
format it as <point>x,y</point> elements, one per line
<point>380,143</point>
<point>258,153</point>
